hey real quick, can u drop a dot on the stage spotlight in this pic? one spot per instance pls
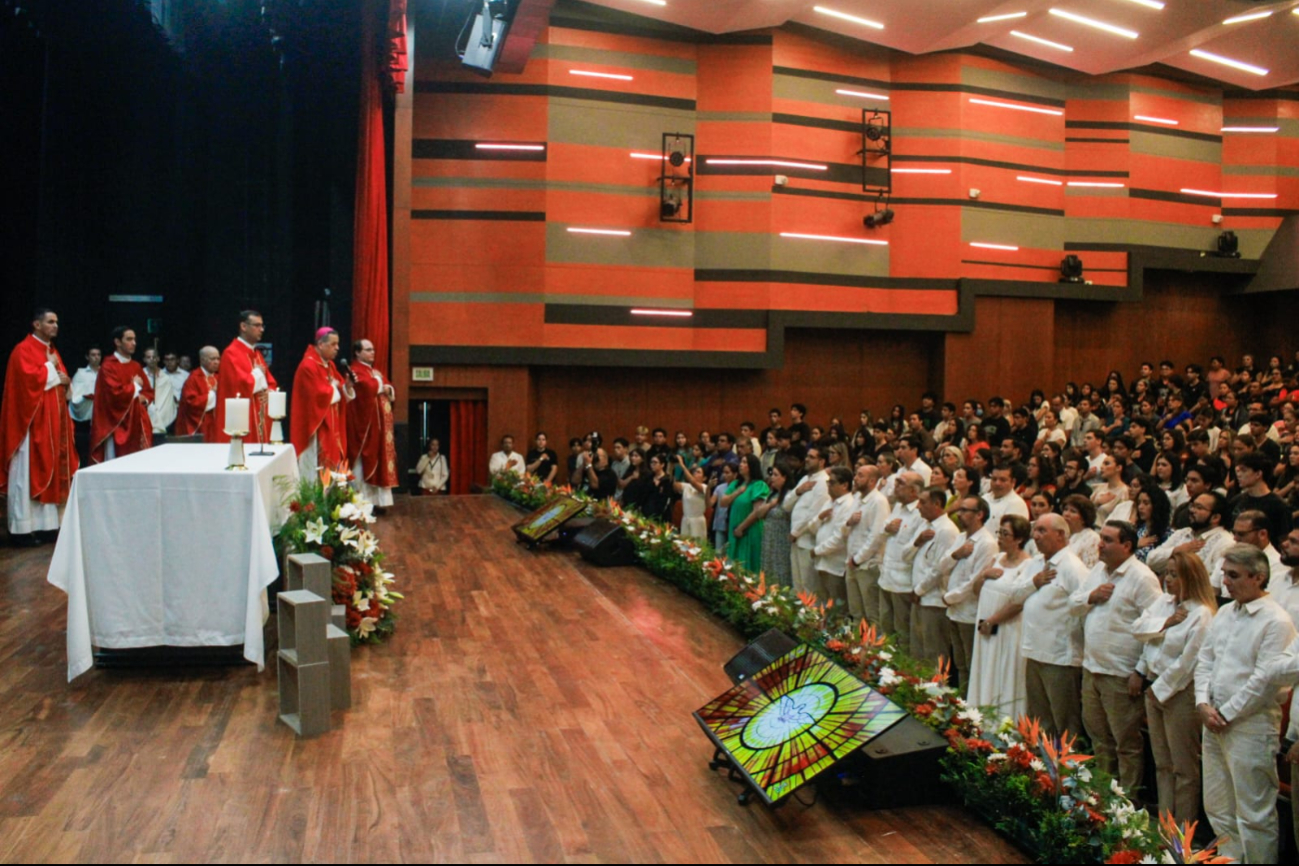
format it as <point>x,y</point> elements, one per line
<point>487,30</point>
<point>879,218</point>
<point>874,133</point>
<point>669,207</point>
<point>1071,269</point>
<point>1228,246</point>
<point>677,159</point>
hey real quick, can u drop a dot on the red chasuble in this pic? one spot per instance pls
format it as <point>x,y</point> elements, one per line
<point>369,430</point>
<point>235,379</point>
<point>193,416</point>
<point>313,412</point>
<point>30,408</point>
<point>118,410</point>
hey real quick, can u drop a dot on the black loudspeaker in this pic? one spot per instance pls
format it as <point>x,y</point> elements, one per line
<point>604,543</point>
<point>899,768</point>
<point>757,655</point>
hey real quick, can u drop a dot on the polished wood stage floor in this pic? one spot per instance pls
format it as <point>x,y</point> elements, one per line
<point>530,708</point>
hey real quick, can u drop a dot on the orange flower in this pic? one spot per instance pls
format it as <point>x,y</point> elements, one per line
<point>944,669</point>
<point>758,591</point>
<point>1180,842</point>
<point>808,598</point>
<point>870,637</point>
<point>1030,730</point>
<point>1125,856</point>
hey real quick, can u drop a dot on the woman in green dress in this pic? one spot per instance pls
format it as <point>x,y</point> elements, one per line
<point>748,488</point>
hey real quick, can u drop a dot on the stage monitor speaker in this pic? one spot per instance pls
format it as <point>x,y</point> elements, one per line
<point>605,544</point>
<point>897,769</point>
<point>757,655</point>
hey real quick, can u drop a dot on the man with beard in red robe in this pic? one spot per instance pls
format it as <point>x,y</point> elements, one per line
<point>317,421</point>
<point>198,397</point>
<point>38,451</point>
<point>371,449</point>
<point>120,424</point>
<point>244,373</point>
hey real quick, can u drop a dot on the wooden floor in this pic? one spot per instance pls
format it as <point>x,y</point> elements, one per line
<point>530,708</point>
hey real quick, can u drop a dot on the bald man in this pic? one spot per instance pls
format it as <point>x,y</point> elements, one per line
<point>198,397</point>
<point>1052,636</point>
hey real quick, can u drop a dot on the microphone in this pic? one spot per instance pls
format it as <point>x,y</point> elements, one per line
<point>347,370</point>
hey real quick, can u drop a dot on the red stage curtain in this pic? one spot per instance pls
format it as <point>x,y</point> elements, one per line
<point>370,304</point>
<point>396,46</point>
<point>468,445</point>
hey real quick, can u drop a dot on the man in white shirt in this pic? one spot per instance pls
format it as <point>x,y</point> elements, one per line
<point>1052,643</point>
<point>866,546</point>
<point>830,554</point>
<point>809,499</point>
<point>162,411</point>
<point>1283,587</point>
<point>171,366</point>
<point>907,451</point>
<point>1002,498</point>
<point>81,401</point>
<point>929,573</point>
<point>904,525</point>
<point>1094,448</point>
<point>507,459</point>
<point>1251,527</point>
<point>1206,537</point>
<point>972,552</point>
<point>1240,706</point>
<point>1116,592</point>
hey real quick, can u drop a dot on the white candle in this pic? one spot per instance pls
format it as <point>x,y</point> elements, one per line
<point>278,404</point>
<point>237,415</point>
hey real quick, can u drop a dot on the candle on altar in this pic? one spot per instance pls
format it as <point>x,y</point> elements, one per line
<point>278,404</point>
<point>236,415</point>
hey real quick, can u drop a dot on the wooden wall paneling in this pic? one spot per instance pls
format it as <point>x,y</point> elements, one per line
<point>403,124</point>
<point>1010,352</point>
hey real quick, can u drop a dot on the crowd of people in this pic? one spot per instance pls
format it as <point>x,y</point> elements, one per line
<point>1101,559</point>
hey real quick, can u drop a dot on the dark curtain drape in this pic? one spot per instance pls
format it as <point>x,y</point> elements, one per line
<point>370,317</point>
<point>468,458</point>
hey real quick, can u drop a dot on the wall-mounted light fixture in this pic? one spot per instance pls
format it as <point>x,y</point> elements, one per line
<point>677,182</point>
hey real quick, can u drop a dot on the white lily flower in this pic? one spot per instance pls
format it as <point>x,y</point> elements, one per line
<point>367,625</point>
<point>360,602</point>
<point>316,531</point>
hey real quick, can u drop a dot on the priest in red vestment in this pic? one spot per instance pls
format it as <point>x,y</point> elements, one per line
<point>317,420</point>
<point>371,449</point>
<point>244,373</point>
<point>198,397</point>
<point>38,451</point>
<point>120,424</point>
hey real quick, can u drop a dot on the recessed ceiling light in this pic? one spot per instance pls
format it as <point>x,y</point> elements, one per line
<point>773,162</point>
<point>1252,16</point>
<point>846,17</point>
<point>834,238</point>
<point>983,246</point>
<point>1053,111</point>
<point>615,232</point>
<point>1040,41</point>
<point>1228,194</point>
<point>921,170</point>
<point>1150,4</point>
<point>1039,180</point>
<point>863,94</point>
<point>1007,17</point>
<point>599,74</point>
<point>1227,61</point>
<point>1148,119</point>
<point>1251,129</point>
<point>1092,22</point>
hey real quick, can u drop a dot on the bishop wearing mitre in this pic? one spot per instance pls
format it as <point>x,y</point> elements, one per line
<point>198,397</point>
<point>38,451</point>
<point>372,451</point>
<point>244,373</point>
<point>120,423</point>
<point>317,416</point>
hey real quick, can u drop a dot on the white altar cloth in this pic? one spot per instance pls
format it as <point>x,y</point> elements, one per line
<point>165,547</point>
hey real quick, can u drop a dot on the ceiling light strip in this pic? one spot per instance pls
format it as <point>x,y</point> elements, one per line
<point>1227,61</point>
<point>863,95</point>
<point>1149,4</point>
<point>1040,41</point>
<point>1252,16</point>
<point>1210,194</point>
<point>1007,17</point>
<point>1250,129</point>
<point>844,16</point>
<point>656,156</point>
<point>921,170</point>
<point>685,314</point>
<point>984,246</point>
<point>778,163</point>
<point>656,2</point>
<point>622,233</point>
<point>1148,119</point>
<point>510,146</point>
<point>1097,184</point>
<point>807,237</point>
<point>1052,111</point>
<point>589,74</point>
<point>1027,179</point>
<point>1092,22</point>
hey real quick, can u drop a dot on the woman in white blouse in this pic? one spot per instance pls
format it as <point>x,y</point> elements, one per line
<point>1111,493</point>
<point>1079,512</point>
<point>997,665</point>
<point>1173,629</point>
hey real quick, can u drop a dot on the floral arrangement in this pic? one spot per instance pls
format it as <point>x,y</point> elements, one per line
<point>1034,788</point>
<point>329,518</point>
